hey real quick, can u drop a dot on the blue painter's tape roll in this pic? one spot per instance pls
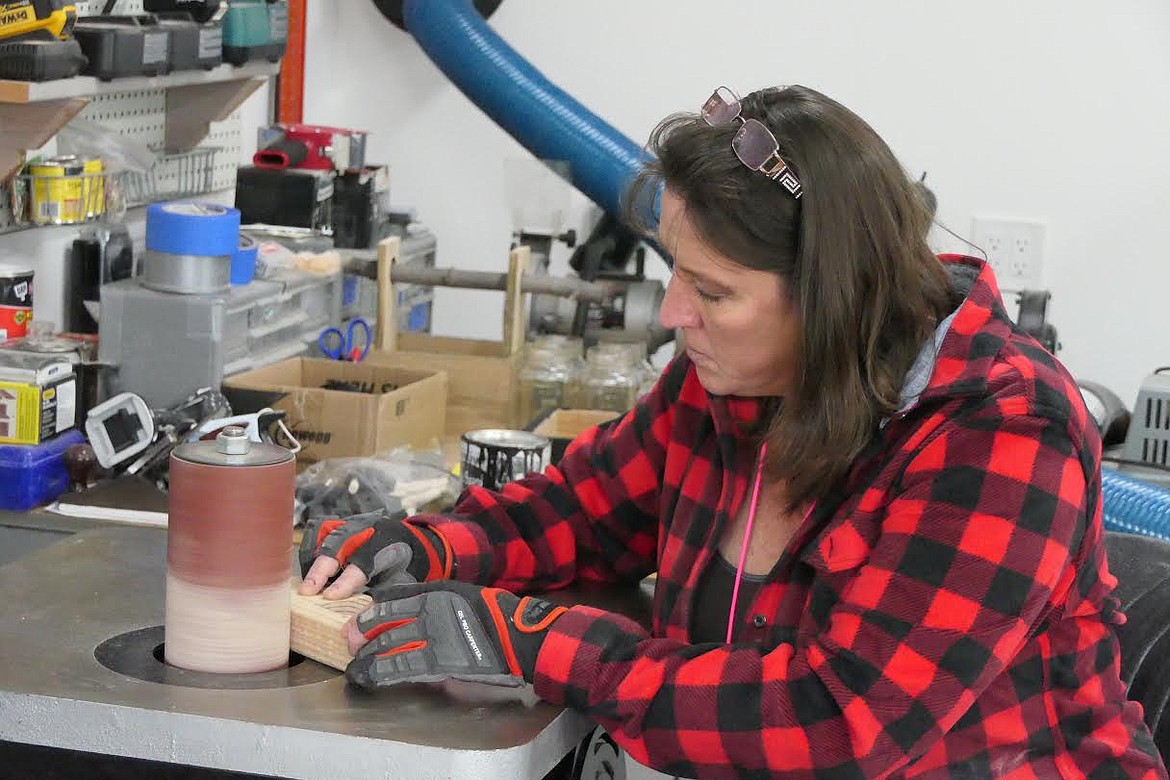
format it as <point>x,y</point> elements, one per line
<point>192,228</point>
<point>244,261</point>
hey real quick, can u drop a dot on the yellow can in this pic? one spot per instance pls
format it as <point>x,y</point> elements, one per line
<point>57,185</point>
<point>95,187</point>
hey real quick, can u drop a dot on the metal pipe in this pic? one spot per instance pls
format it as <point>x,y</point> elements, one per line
<point>540,284</point>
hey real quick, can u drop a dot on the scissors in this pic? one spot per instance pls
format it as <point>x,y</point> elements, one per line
<point>348,346</point>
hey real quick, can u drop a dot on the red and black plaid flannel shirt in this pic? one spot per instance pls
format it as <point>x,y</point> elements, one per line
<point>948,615</point>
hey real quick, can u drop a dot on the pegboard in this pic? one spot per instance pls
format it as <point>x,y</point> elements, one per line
<point>228,135</point>
<point>141,115</point>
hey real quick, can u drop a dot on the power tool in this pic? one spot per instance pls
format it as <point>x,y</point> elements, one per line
<point>20,17</point>
<point>35,42</point>
<point>312,147</point>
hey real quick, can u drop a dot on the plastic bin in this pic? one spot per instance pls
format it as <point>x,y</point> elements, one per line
<point>31,475</point>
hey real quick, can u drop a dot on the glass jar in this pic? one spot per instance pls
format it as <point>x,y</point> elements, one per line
<point>639,364</point>
<point>571,349</point>
<point>610,379</point>
<point>647,375</point>
<point>542,377</point>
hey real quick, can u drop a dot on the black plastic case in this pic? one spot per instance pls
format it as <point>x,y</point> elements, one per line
<point>121,46</point>
<point>293,198</point>
<point>38,59</point>
<point>193,46</point>
<point>199,10</point>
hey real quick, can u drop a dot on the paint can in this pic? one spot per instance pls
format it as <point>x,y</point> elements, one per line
<point>58,190</point>
<point>494,457</point>
<point>16,301</point>
<point>230,529</point>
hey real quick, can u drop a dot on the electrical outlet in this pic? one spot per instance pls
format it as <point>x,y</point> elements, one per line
<point>1015,251</point>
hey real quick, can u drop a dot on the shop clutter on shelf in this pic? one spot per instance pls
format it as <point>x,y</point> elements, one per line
<point>53,192</point>
<point>47,41</point>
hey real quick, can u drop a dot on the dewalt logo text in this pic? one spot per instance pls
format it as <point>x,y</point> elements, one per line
<point>17,17</point>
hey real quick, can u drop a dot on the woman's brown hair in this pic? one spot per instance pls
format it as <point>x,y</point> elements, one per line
<point>852,251</point>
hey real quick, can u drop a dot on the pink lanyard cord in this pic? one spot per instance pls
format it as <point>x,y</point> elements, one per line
<point>747,535</point>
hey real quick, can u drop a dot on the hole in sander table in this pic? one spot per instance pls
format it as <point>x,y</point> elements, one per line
<point>139,654</point>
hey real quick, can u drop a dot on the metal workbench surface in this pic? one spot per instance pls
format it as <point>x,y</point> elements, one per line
<point>61,602</point>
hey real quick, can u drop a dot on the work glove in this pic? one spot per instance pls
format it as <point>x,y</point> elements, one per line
<point>438,630</point>
<point>381,549</point>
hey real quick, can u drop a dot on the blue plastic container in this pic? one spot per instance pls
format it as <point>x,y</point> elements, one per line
<point>34,475</point>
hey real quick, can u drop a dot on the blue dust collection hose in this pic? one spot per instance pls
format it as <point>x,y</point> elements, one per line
<point>1133,506</point>
<point>540,115</point>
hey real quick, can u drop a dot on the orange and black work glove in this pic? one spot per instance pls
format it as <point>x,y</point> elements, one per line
<point>438,630</point>
<point>387,549</point>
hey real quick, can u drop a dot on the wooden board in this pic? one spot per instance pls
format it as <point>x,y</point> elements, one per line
<point>317,626</point>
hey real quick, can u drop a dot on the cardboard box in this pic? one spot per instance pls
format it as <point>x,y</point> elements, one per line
<point>380,407</point>
<point>38,397</point>
<point>561,426</point>
<point>482,374</point>
<point>482,377</point>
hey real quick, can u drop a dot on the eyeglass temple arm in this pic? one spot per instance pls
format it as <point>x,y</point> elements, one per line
<point>774,166</point>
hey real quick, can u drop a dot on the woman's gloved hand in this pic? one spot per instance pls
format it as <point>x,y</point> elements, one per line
<point>369,548</point>
<point>439,630</point>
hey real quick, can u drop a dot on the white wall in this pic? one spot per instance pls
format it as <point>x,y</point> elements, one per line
<point>1053,110</point>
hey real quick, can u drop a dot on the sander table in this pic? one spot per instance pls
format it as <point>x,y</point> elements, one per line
<point>82,680</point>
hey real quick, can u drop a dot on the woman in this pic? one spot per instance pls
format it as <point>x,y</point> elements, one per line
<point>872,503</point>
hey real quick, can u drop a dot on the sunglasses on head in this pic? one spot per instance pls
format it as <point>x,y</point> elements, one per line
<point>754,144</point>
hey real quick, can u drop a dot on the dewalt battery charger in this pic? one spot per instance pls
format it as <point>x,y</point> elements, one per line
<point>35,42</point>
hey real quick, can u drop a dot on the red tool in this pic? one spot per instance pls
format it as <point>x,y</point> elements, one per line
<point>312,147</point>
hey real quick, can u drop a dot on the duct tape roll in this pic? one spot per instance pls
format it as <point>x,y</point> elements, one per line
<point>190,247</point>
<point>244,261</point>
<point>192,228</point>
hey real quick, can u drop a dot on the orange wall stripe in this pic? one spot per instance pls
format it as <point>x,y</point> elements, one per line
<point>290,105</point>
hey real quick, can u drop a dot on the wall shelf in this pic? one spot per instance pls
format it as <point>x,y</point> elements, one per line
<point>32,112</point>
<point>85,86</point>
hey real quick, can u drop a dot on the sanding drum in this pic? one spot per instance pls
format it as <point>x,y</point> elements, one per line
<point>189,247</point>
<point>229,555</point>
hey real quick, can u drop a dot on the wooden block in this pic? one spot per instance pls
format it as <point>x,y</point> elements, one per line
<point>317,623</point>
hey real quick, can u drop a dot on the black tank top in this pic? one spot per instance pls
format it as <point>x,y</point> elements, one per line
<point>713,600</point>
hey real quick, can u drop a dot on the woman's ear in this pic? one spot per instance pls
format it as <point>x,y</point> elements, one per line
<point>927,195</point>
